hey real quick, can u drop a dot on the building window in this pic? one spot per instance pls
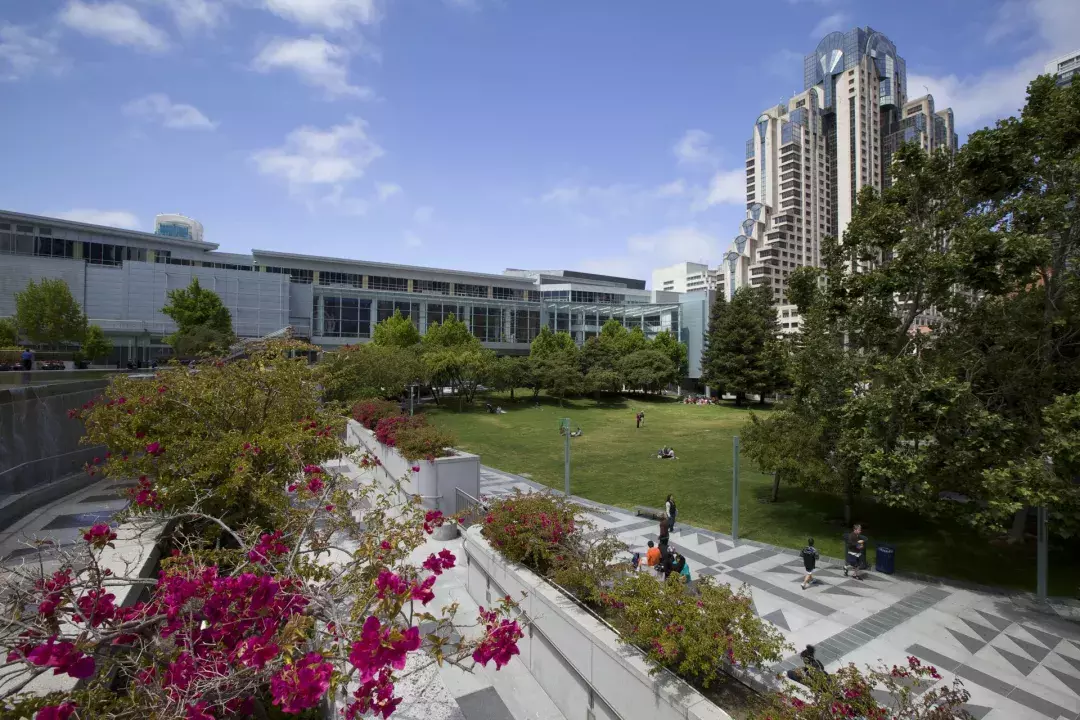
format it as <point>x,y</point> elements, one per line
<point>386,309</point>
<point>340,279</point>
<point>387,284</point>
<point>504,293</point>
<point>473,291</point>
<point>431,287</point>
<point>441,312</point>
<point>303,277</point>
<point>346,317</point>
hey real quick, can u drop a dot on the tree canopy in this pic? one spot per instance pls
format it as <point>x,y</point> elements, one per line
<point>744,355</point>
<point>203,323</point>
<point>396,331</point>
<point>47,313</point>
<point>95,345</point>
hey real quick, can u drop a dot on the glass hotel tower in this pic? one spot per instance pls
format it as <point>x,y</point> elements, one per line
<point>808,158</point>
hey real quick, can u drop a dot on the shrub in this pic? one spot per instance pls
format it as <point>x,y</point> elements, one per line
<point>416,441</point>
<point>387,428</point>
<point>693,634</point>
<point>531,528</point>
<point>369,412</point>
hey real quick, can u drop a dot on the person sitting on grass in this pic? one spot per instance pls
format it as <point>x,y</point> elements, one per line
<point>577,433</point>
<point>666,453</point>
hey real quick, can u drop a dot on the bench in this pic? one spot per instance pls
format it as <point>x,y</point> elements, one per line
<point>642,511</point>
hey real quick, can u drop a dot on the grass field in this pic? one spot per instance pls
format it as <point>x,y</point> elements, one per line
<point>615,463</point>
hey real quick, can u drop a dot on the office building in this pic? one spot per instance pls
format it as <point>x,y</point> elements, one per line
<point>808,158</point>
<point>683,277</point>
<point>1064,67</point>
<point>122,278</point>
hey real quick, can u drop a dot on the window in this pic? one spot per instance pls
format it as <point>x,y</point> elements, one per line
<point>440,312</point>
<point>503,293</point>
<point>346,317</point>
<point>431,287</point>
<point>340,279</point>
<point>466,290</point>
<point>386,309</point>
<point>387,284</point>
<point>24,229</point>
<point>304,277</point>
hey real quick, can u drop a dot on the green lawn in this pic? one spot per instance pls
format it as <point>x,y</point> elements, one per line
<point>615,463</point>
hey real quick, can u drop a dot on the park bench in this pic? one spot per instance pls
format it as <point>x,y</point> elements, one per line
<point>654,513</point>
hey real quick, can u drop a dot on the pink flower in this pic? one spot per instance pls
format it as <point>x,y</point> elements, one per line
<point>63,657</point>
<point>389,583</point>
<point>315,484</point>
<point>384,545</point>
<point>292,487</point>
<point>100,535</point>
<point>423,592</point>
<point>313,470</point>
<point>380,647</point>
<point>500,643</point>
<point>96,606</point>
<point>268,545</point>
<point>301,685</point>
<point>55,712</point>
<point>432,520</point>
<point>416,468</point>
<point>154,449</point>
<point>139,435</point>
<point>329,508</point>
<point>437,563</point>
<point>72,413</point>
<point>198,711</point>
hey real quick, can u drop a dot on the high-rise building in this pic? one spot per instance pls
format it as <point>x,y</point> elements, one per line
<point>1064,67</point>
<point>683,277</point>
<point>808,158</point>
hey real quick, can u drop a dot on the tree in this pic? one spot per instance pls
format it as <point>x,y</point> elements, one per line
<point>9,332</point>
<point>196,307</point>
<point>509,373</point>
<point>600,362</point>
<point>48,314</point>
<point>741,354</point>
<point>200,340</point>
<point>354,372</point>
<point>396,331</point>
<point>667,343</point>
<point>454,357</point>
<point>554,363</point>
<point>95,345</point>
<point>649,370</point>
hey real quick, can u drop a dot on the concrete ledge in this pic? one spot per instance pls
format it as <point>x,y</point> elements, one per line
<point>18,505</point>
<point>575,657</point>
<point>434,481</point>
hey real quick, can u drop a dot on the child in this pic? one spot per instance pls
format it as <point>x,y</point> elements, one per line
<point>652,555</point>
<point>809,557</point>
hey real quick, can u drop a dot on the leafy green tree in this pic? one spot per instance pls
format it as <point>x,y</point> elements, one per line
<point>396,331</point>
<point>454,357</point>
<point>195,307</point>
<point>741,354</point>
<point>9,332</point>
<point>600,361</point>
<point>649,370</point>
<point>554,363</point>
<point>95,345</point>
<point>48,314</point>
<point>509,373</point>
<point>354,372</point>
<point>667,343</point>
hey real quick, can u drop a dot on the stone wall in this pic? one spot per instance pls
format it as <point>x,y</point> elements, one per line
<point>577,658</point>
<point>38,441</point>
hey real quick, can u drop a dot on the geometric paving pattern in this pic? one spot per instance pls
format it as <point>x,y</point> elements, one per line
<point>1017,664</point>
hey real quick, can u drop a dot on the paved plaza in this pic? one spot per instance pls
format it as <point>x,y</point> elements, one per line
<point>1018,663</point>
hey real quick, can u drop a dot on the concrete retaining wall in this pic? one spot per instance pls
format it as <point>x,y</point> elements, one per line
<point>38,441</point>
<point>434,482</point>
<point>577,658</point>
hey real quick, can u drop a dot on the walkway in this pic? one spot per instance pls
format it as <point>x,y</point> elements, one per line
<point>1018,663</point>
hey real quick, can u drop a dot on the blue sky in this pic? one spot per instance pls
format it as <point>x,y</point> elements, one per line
<point>604,135</point>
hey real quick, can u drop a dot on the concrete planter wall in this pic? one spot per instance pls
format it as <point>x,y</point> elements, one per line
<point>435,482</point>
<point>575,657</point>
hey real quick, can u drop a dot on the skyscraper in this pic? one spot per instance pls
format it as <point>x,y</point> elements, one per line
<point>808,158</point>
<point>1064,67</point>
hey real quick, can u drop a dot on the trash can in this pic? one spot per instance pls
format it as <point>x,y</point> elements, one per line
<point>885,559</point>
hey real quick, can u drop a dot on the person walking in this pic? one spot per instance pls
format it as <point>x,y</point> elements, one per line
<point>855,544</point>
<point>671,511</point>
<point>27,359</point>
<point>637,418</point>
<point>810,557</point>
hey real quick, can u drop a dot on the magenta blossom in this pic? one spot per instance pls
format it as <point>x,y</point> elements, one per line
<point>423,592</point>
<point>63,657</point>
<point>315,484</point>
<point>268,545</point>
<point>100,535</point>
<point>301,685</point>
<point>56,712</point>
<point>437,563</point>
<point>390,584</point>
<point>380,647</point>
<point>154,448</point>
<point>432,520</point>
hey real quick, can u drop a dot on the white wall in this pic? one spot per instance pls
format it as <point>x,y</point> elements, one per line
<point>577,659</point>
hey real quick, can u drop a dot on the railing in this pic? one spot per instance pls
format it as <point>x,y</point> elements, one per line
<point>467,508</point>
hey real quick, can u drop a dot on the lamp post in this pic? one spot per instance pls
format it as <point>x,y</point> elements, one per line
<point>735,490</point>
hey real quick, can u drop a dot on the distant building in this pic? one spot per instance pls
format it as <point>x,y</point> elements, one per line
<point>682,277</point>
<point>178,226</point>
<point>1064,67</point>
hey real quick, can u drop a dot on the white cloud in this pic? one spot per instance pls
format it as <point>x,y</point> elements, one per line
<point>23,54</point>
<point>646,252</point>
<point>422,215</point>
<point>693,148</point>
<point>196,15</point>
<point>1047,27</point>
<point>113,22</point>
<point>317,61</point>
<point>828,24</point>
<point>176,116</point>
<point>412,239</point>
<point>312,158</point>
<point>727,187</point>
<point>671,189</point>
<point>385,191</point>
<point>110,218</point>
<point>327,14</point>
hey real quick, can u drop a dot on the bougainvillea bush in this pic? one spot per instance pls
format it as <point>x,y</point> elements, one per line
<point>423,441</point>
<point>369,412</point>
<point>904,692</point>
<point>312,601</point>
<point>697,632</point>
<point>533,529</point>
<point>226,435</point>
